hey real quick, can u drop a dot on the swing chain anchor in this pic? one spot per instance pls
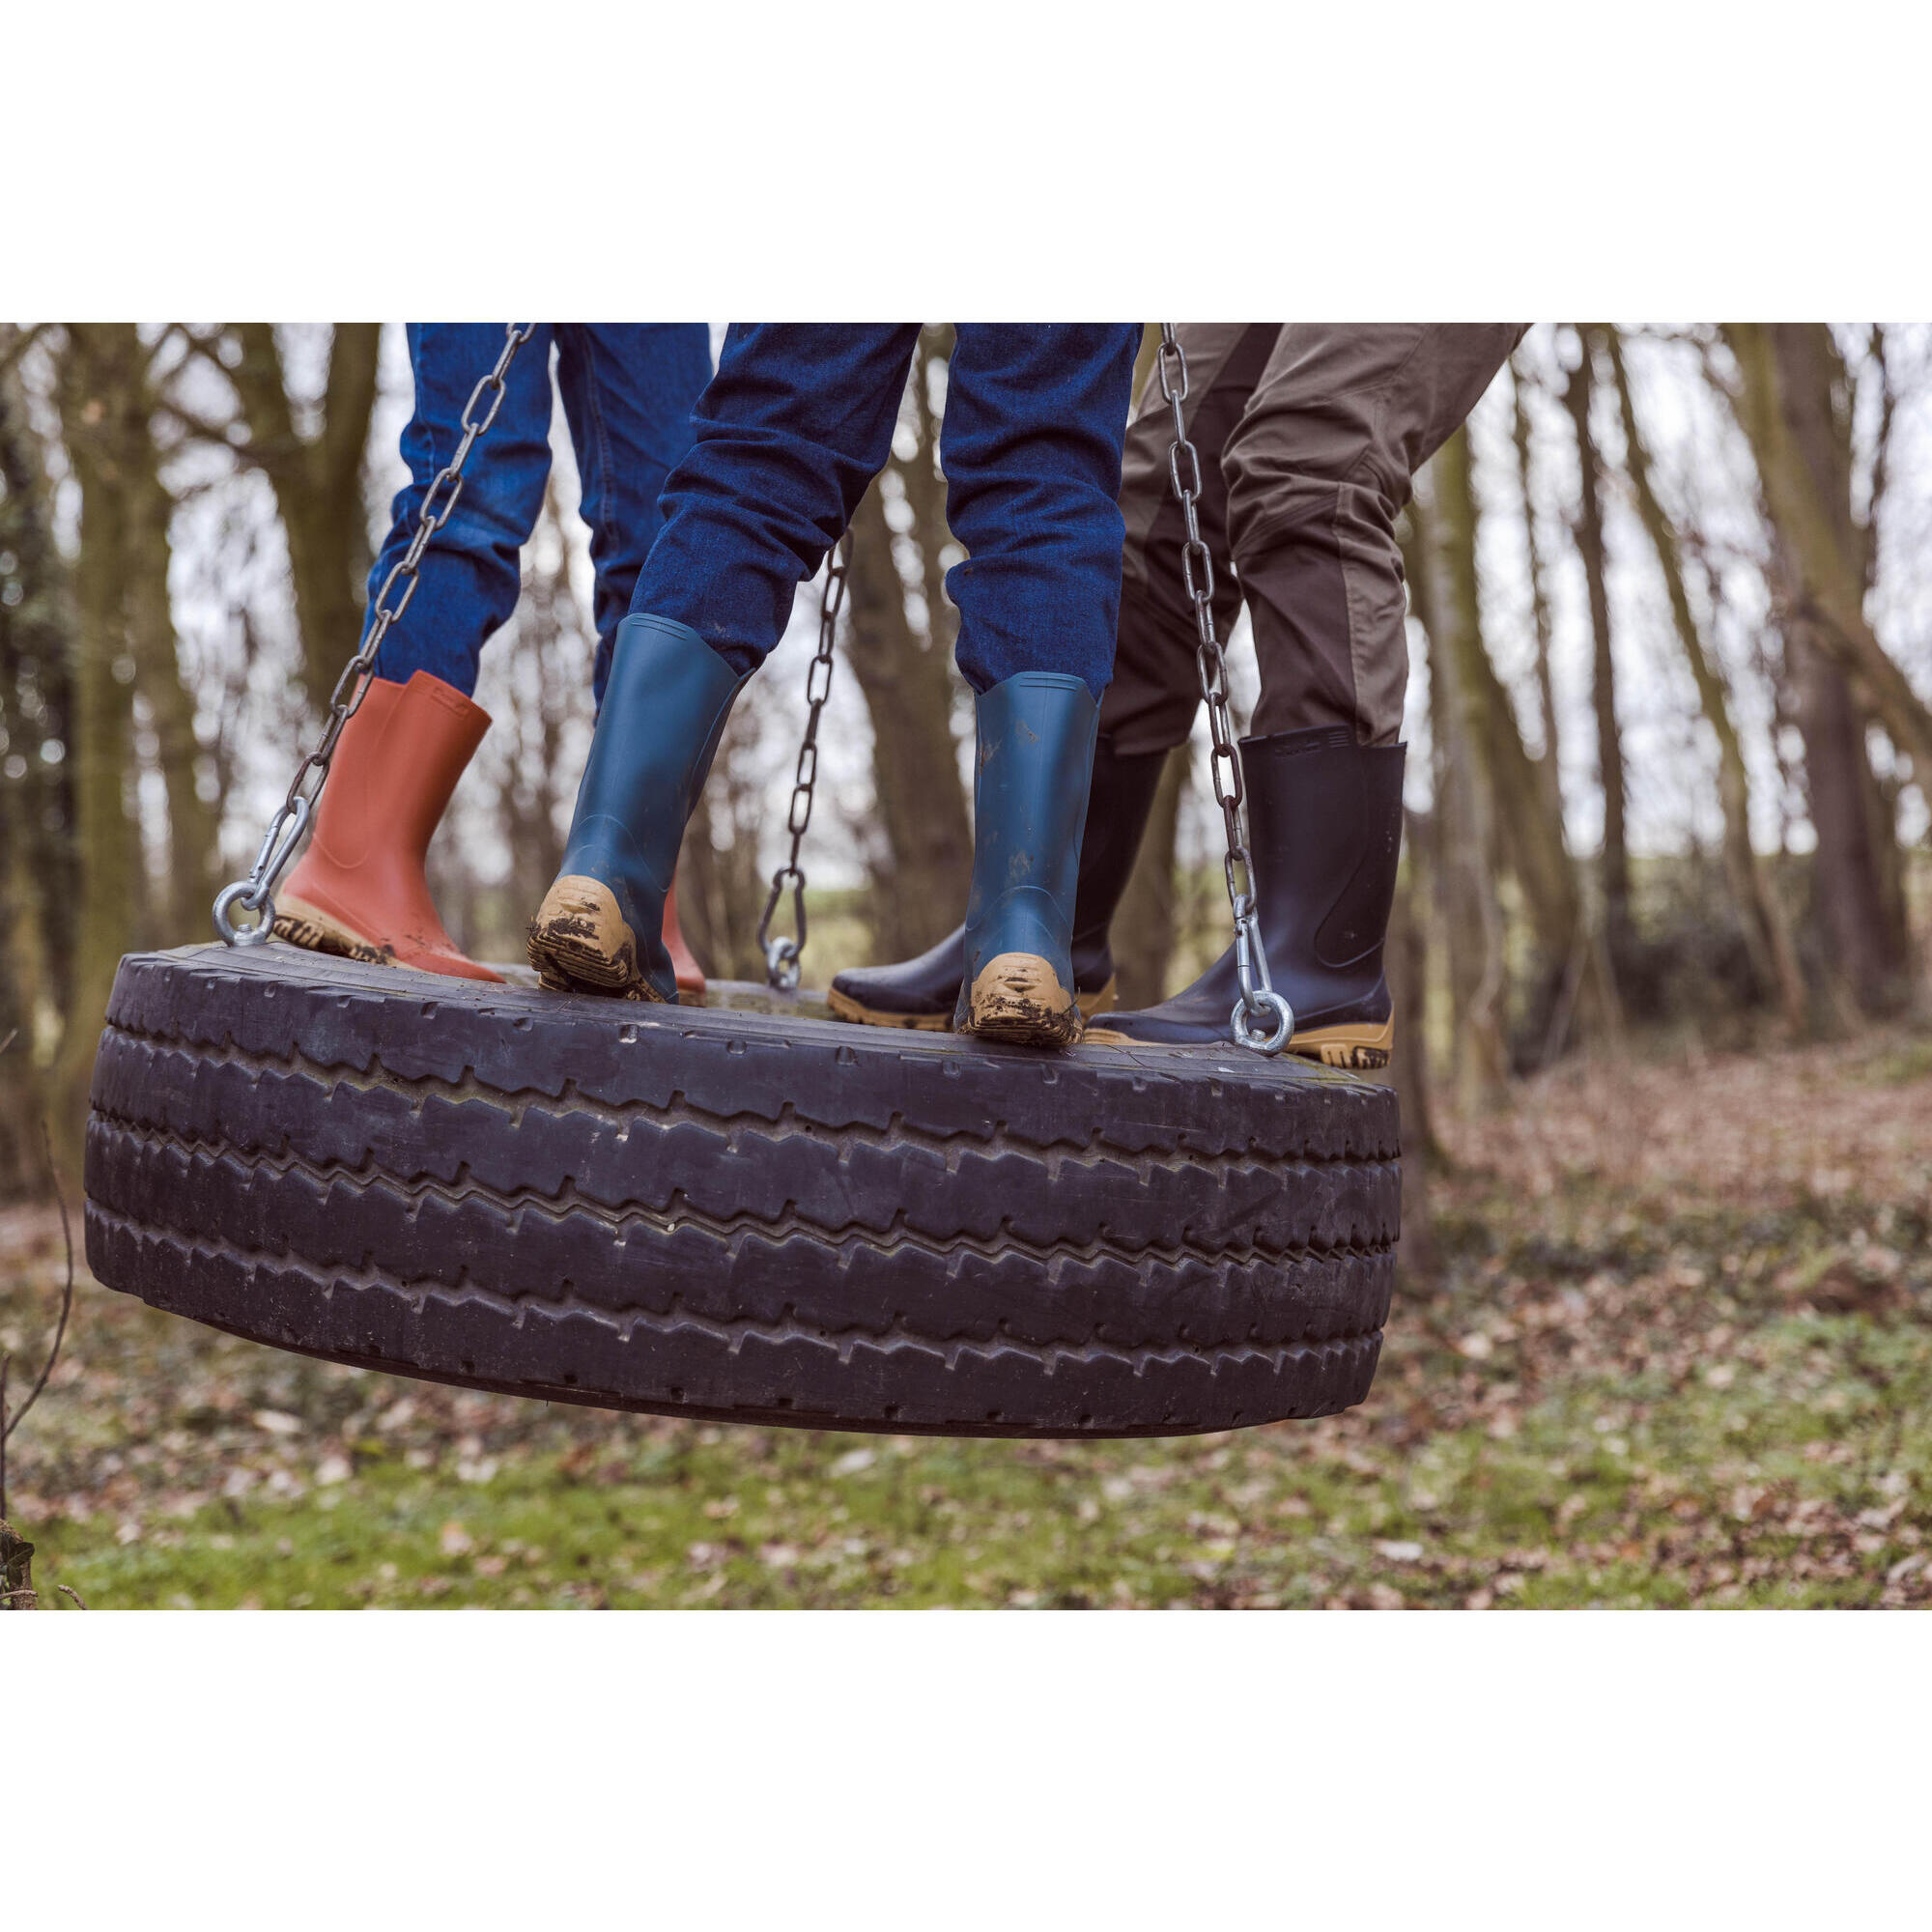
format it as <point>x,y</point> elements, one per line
<point>1262,1020</point>
<point>785,956</point>
<point>256,893</point>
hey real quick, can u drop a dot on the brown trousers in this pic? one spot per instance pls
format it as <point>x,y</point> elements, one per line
<point>1309,437</point>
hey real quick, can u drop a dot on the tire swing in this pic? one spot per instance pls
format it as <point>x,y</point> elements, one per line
<point>743,1215</point>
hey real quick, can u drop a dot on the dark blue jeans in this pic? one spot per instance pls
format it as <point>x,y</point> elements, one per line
<point>799,419</point>
<point>628,389</point>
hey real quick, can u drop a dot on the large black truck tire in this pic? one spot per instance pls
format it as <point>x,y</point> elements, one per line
<point>740,1215</point>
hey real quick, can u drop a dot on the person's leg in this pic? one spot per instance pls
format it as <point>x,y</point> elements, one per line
<point>786,437</point>
<point>1036,416</point>
<point>359,889</point>
<point>628,391</point>
<point>470,578</point>
<point>1156,689</point>
<point>1147,709</point>
<point>1318,469</point>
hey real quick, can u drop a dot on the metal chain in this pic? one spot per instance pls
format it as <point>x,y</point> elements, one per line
<point>785,958</point>
<point>1262,1020</point>
<point>255,893</point>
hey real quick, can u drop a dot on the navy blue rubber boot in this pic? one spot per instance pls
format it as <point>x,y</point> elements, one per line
<point>600,929</point>
<point>1033,764</point>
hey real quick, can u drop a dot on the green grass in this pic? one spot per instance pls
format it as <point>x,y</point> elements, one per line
<point>1802,1477</point>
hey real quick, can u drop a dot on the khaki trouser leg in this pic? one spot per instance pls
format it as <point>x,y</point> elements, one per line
<point>1150,705</point>
<point>1309,437</point>
<point>1319,468</point>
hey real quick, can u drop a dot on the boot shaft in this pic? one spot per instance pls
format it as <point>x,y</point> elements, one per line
<point>1324,825</point>
<point>1119,797</point>
<point>395,767</point>
<point>1032,766</point>
<point>664,710</point>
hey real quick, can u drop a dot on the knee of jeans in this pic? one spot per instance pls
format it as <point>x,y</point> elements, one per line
<point>494,513</point>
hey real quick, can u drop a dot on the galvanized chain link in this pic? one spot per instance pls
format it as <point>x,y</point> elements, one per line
<point>255,893</point>
<point>1262,1020</point>
<point>785,958</point>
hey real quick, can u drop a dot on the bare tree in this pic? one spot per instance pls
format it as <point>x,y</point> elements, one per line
<point>1464,818</point>
<point>39,890</point>
<point>316,473</point>
<point>1831,561</point>
<point>1539,603</point>
<point>103,401</point>
<point>924,858</point>
<point>1767,929</point>
<point>1618,932</point>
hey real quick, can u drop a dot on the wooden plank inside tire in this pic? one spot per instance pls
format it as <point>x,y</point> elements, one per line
<point>734,1215</point>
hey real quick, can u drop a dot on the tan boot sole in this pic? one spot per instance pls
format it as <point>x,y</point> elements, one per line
<point>580,943</point>
<point>845,1007</point>
<point>303,925</point>
<point>1018,997</point>
<point>1359,1046</point>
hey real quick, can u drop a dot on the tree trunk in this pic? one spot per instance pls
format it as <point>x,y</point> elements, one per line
<point>194,823</point>
<point>318,485</point>
<point>1831,571</point>
<point>1528,830</point>
<point>1465,881</point>
<point>1618,932</point>
<point>1549,765</point>
<point>103,386</point>
<point>39,888</point>
<point>1145,927</point>
<point>1409,1067</point>
<point>1767,929</point>
<point>920,877</point>
<point>1857,870</point>
<point>1867,941</point>
<point>721,890</point>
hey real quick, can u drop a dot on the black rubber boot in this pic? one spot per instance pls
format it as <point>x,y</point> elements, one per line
<point>1032,763</point>
<point>1324,825</point>
<point>923,992</point>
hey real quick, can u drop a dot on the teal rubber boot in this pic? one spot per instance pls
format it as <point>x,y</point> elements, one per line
<point>600,929</point>
<point>1032,767</point>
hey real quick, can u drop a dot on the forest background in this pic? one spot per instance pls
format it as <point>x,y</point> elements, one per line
<point>1666,875</point>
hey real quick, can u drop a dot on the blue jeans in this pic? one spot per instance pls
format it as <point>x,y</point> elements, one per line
<point>628,389</point>
<point>799,419</point>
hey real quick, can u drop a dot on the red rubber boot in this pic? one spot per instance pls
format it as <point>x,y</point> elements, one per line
<point>359,891</point>
<point>690,974</point>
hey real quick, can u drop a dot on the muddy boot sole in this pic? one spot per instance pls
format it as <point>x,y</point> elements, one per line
<point>307,926</point>
<point>581,942</point>
<point>844,1006</point>
<point>1018,998</point>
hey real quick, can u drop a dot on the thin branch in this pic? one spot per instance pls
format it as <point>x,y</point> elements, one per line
<point>23,340</point>
<point>66,1296</point>
<point>223,434</point>
<point>1887,391</point>
<point>67,1590</point>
